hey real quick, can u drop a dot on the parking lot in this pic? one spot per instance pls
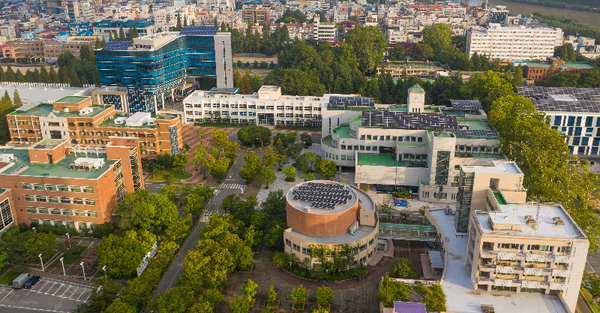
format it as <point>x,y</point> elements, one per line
<point>47,295</point>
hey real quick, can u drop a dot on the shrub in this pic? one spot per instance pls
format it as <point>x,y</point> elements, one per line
<point>324,295</point>
<point>391,291</point>
<point>252,136</point>
<point>104,230</point>
<point>298,295</point>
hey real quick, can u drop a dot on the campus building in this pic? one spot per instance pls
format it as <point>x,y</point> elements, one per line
<point>526,247</point>
<point>539,70</point>
<point>256,13</point>
<point>153,69</point>
<point>514,43</point>
<point>332,215</point>
<point>265,107</point>
<point>54,182</point>
<point>75,119</point>
<point>573,111</point>
<point>107,27</point>
<point>38,48</point>
<point>413,146</point>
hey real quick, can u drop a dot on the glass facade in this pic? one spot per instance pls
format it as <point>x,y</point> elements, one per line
<point>152,75</point>
<point>464,197</point>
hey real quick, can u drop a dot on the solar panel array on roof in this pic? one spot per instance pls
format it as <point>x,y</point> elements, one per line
<point>199,30</point>
<point>466,104</point>
<point>27,107</point>
<point>478,133</point>
<point>387,119</point>
<point>543,92</point>
<point>321,195</point>
<point>351,101</point>
<point>566,106</point>
<point>118,45</point>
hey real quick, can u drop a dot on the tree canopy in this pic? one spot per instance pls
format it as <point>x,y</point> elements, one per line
<point>369,45</point>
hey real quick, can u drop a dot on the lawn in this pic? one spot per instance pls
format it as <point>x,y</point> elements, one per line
<point>163,175</point>
<point>8,278</point>
<point>72,255</point>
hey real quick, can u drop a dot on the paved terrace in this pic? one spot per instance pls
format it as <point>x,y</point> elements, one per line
<point>460,295</point>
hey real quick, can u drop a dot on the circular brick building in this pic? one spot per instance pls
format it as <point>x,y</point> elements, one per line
<point>329,213</point>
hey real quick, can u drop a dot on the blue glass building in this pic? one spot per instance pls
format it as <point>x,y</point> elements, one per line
<point>153,69</point>
<point>106,27</point>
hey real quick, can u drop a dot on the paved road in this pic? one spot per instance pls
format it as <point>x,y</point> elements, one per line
<point>169,280</point>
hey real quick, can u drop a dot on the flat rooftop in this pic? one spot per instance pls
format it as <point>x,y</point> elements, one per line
<point>47,144</point>
<point>59,169</point>
<point>460,296</point>
<point>45,110</point>
<point>498,167</point>
<point>36,95</point>
<point>71,99</point>
<point>343,131</point>
<point>546,226</point>
<point>303,205</point>
<point>386,159</point>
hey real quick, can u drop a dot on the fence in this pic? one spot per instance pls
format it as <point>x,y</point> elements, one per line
<point>53,85</point>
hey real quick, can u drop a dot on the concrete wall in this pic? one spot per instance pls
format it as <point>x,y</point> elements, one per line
<point>321,225</point>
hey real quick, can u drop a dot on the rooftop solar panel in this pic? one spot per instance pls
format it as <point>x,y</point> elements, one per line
<point>540,92</point>
<point>199,30</point>
<point>466,104</point>
<point>118,45</point>
<point>355,101</point>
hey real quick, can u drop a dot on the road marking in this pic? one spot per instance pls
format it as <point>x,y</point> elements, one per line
<point>40,290</point>
<point>7,295</point>
<point>61,296</point>
<point>73,293</point>
<point>86,299</point>
<point>80,296</point>
<point>32,309</point>
<point>61,285</point>
<point>50,289</point>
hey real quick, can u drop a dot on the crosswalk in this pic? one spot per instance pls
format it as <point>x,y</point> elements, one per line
<point>205,218</point>
<point>231,186</point>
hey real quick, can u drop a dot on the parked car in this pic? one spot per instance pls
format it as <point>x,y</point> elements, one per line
<point>31,282</point>
<point>21,280</point>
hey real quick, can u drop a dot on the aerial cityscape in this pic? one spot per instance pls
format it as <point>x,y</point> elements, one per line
<point>299,156</point>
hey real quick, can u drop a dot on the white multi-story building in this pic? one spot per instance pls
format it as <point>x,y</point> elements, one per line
<point>574,112</point>
<point>8,31</point>
<point>78,11</point>
<point>324,31</point>
<point>266,107</point>
<point>514,43</point>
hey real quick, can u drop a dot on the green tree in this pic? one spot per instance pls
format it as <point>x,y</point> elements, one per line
<point>199,160</point>
<point>101,297</point>
<point>274,236</point>
<point>518,76</point>
<point>252,166</point>
<point>487,88</point>
<point>390,291</point>
<point>3,259</point>
<point>217,167</point>
<point>121,33</point>
<point>307,162</point>
<point>266,176</point>
<point>324,295</point>
<point>306,140</point>
<point>17,103</point>
<point>369,44</point>
<point>403,268</point>
<point>122,255</point>
<point>433,297</point>
<point>385,208</point>
<point>422,52</point>
<point>290,174</point>
<point>397,53</point>
<point>145,210</point>
<point>240,305</point>
<point>220,136</point>
<point>10,75</point>
<point>254,136</point>
<point>84,52</point>
<point>180,162</point>
<point>298,295</point>
<point>326,168</point>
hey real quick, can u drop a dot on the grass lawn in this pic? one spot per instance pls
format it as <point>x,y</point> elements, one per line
<point>163,175</point>
<point>74,254</point>
<point>8,278</point>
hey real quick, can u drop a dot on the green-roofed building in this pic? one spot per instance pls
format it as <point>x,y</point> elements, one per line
<point>54,183</point>
<point>539,70</point>
<point>415,146</point>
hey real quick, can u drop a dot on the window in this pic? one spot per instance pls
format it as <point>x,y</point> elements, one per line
<point>63,188</point>
<point>288,242</point>
<point>55,211</point>
<point>75,188</point>
<point>90,201</point>
<point>92,214</point>
<point>29,198</point>
<point>306,251</point>
<point>51,187</point>
<point>31,209</point>
<point>38,186</point>
<point>296,247</point>
<point>26,186</point>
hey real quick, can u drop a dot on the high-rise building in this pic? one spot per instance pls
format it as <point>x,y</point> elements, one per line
<point>78,10</point>
<point>514,43</point>
<point>75,119</point>
<point>153,69</point>
<point>56,183</point>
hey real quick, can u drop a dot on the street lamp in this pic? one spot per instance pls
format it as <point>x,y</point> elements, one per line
<point>42,261</point>
<point>83,269</point>
<point>68,237</point>
<point>34,229</point>
<point>63,265</point>
<point>104,270</point>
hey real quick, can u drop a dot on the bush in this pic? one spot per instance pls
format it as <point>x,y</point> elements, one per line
<point>391,291</point>
<point>104,230</point>
<point>403,268</point>
<point>252,136</point>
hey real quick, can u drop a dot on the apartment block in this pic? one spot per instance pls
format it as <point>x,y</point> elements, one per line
<point>76,120</point>
<point>324,31</point>
<point>256,14</point>
<point>78,11</point>
<point>415,146</point>
<point>54,182</point>
<point>265,107</point>
<point>514,43</point>
<point>526,247</point>
<point>38,48</point>
<point>153,68</point>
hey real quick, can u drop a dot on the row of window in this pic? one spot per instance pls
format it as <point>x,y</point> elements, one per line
<point>108,133</point>
<point>251,106</point>
<point>392,138</point>
<point>52,187</point>
<point>308,251</point>
<point>522,247</point>
<point>65,212</point>
<point>65,200</point>
<point>68,224</point>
